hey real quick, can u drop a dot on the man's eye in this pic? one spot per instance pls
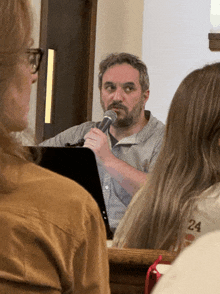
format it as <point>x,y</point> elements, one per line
<point>110,88</point>
<point>128,89</point>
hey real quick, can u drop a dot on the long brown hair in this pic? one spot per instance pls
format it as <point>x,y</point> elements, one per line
<point>15,37</point>
<point>188,164</point>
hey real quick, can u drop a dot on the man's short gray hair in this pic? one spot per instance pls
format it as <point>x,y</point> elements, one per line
<point>120,58</point>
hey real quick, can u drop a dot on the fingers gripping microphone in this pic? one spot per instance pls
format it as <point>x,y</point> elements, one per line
<point>109,118</point>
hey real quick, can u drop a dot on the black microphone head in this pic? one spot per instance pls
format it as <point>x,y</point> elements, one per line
<point>108,119</point>
<point>111,115</point>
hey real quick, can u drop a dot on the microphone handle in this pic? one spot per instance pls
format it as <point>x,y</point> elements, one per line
<point>105,124</point>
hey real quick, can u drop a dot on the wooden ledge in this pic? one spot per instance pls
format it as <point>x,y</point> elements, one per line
<point>131,256</point>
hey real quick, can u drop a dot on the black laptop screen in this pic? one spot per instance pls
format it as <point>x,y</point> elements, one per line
<point>78,164</point>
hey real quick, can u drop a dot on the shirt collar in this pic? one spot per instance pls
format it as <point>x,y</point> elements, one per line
<point>137,137</point>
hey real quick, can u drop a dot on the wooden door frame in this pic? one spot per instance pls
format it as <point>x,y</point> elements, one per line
<point>41,88</point>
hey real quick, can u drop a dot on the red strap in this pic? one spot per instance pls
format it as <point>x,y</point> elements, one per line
<point>152,269</point>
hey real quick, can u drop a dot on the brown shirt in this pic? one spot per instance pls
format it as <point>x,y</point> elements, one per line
<point>52,236</point>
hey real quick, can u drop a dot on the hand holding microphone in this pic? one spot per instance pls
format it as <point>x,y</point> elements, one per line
<point>109,118</point>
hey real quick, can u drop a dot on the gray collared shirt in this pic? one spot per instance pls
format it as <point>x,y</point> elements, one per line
<point>139,150</point>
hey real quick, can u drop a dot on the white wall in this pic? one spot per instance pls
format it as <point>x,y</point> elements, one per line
<point>175,41</point>
<point>119,29</point>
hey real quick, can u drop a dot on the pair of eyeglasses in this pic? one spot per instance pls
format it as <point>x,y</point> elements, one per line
<point>34,58</point>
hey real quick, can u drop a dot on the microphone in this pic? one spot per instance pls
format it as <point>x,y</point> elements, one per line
<point>109,118</point>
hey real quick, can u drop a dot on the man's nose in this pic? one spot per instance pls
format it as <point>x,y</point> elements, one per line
<point>118,95</point>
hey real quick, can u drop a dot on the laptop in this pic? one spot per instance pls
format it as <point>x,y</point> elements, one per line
<point>78,164</point>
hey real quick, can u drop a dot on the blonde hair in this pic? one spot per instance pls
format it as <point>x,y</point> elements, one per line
<point>15,37</point>
<point>187,165</point>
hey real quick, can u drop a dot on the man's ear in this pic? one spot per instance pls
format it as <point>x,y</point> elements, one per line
<point>146,95</point>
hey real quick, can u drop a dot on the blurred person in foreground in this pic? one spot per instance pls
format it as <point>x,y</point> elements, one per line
<point>52,234</point>
<point>181,200</point>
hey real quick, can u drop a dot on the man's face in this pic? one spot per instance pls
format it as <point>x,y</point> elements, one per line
<point>121,92</point>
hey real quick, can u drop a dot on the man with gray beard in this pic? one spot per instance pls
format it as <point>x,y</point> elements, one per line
<point>127,151</point>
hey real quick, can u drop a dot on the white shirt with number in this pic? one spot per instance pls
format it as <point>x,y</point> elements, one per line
<point>206,218</point>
